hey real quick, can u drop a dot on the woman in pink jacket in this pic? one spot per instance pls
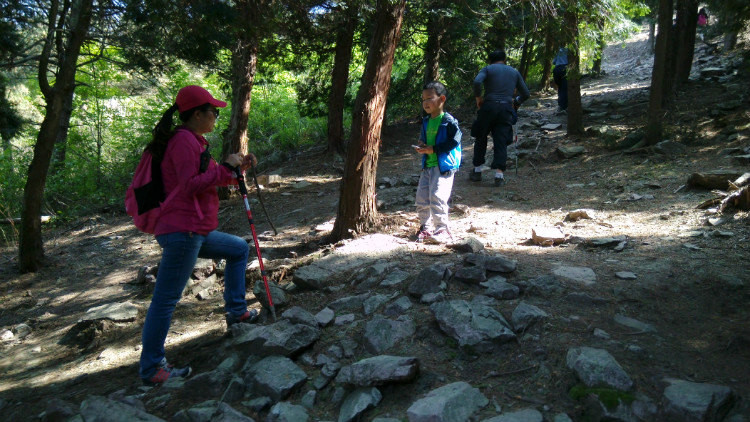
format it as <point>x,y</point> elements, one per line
<point>187,225</point>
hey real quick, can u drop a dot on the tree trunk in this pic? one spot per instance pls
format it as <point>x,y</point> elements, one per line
<point>61,143</point>
<point>525,54</point>
<point>575,109</point>
<point>357,207</point>
<point>30,246</point>
<point>435,32</point>
<point>340,80</point>
<point>651,36</point>
<point>549,52</point>
<point>687,21</point>
<point>730,40</point>
<point>656,96</point>
<point>600,45</point>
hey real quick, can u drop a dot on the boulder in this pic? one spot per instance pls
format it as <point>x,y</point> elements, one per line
<point>379,370</point>
<point>98,408</point>
<point>275,376</point>
<point>449,403</point>
<point>597,368</point>
<point>280,338</point>
<point>475,326</point>
<point>687,401</point>
<point>357,402</point>
<point>525,315</point>
<point>381,333</point>
<point>287,412</point>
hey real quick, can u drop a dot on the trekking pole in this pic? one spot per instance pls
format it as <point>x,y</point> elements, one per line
<point>243,191</point>
<point>515,145</point>
<point>260,198</point>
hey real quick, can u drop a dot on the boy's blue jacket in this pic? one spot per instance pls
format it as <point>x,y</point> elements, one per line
<point>447,143</point>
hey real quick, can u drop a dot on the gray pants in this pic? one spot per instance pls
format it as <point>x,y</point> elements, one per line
<point>433,193</point>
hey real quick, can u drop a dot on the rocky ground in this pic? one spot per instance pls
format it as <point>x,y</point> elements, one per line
<point>588,288</point>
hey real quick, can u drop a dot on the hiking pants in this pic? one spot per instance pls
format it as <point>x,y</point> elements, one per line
<point>558,73</point>
<point>497,118</point>
<point>433,193</point>
<point>180,251</point>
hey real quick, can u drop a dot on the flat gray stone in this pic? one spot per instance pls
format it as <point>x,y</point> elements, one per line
<point>353,254</point>
<point>551,126</point>
<point>379,370</point>
<point>349,303</point>
<point>118,312</point>
<point>325,317</point>
<point>429,280</point>
<point>495,263</point>
<point>395,277</point>
<point>570,151</point>
<point>398,306</point>
<point>277,295</point>
<point>358,402</point>
<point>298,315</point>
<point>597,368</point>
<point>287,412</point>
<point>498,288</point>
<point>372,303</point>
<point>381,334</point>
<point>98,408</point>
<point>467,245</point>
<point>276,377</point>
<point>471,275</point>
<point>525,315</point>
<point>344,319</point>
<point>634,324</point>
<point>523,415</point>
<point>626,275</point>
<point>581,275</point>
<point>449,403</point>
<point>210,411</point>
<point>279,338</point>
<point>687,401</point>
<point>475,326</point>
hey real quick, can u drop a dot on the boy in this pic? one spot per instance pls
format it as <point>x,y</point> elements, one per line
<point>440,146</point>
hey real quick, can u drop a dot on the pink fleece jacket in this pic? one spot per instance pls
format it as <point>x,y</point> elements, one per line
<point>195,206</point>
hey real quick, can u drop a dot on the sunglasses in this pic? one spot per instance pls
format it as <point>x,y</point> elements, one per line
<point>215,112</point>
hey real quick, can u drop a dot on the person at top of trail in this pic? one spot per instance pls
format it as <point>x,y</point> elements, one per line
<point>440,146</point>
<point>186,228</point>
<point>497,113</point>
<point>559,74</point>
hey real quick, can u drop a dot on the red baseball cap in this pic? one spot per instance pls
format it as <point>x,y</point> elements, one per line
<point>193,96</point>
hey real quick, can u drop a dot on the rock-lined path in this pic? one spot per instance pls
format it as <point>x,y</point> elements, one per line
<point>355,358</point>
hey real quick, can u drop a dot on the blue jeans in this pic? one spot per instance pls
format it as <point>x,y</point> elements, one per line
<point>179,254</point>
<point>562,85</point>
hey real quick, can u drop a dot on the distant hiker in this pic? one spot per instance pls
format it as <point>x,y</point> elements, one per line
<point>702,22</point>
<point>186,228</point>
<point>440,146</point>
<point>497,113</point>
<point>561,81</point>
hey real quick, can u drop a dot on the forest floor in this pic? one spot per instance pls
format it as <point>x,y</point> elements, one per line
<point>692,285</point>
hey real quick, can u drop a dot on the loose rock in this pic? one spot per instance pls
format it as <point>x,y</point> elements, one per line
<point>452,402</point>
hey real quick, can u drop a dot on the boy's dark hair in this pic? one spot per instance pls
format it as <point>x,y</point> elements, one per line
<point>436,86</point>
<point>497,56</point>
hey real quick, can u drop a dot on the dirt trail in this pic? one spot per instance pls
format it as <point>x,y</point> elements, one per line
<point>692,279</point>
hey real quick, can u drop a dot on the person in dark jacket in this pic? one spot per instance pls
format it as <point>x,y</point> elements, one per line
<point>559,73</point>
<point>497,113</point>
<point>440,146</point>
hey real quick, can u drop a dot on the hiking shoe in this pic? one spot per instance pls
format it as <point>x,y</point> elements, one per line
<point>248,317</point>
<point>499,181</point>
<point>166,371</point>
<point>475,176</point>
<point>423,235</point>
<point>440,236</point>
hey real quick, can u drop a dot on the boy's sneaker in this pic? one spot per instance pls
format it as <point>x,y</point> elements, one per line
<point>166,371</point>
<point>423,235</point>
<point>499,181</point>
<point>440,236</point>
<point>475,176</point>
<point>248,317</point>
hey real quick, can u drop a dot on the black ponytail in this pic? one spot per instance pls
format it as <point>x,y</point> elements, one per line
<point>162,133</point>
